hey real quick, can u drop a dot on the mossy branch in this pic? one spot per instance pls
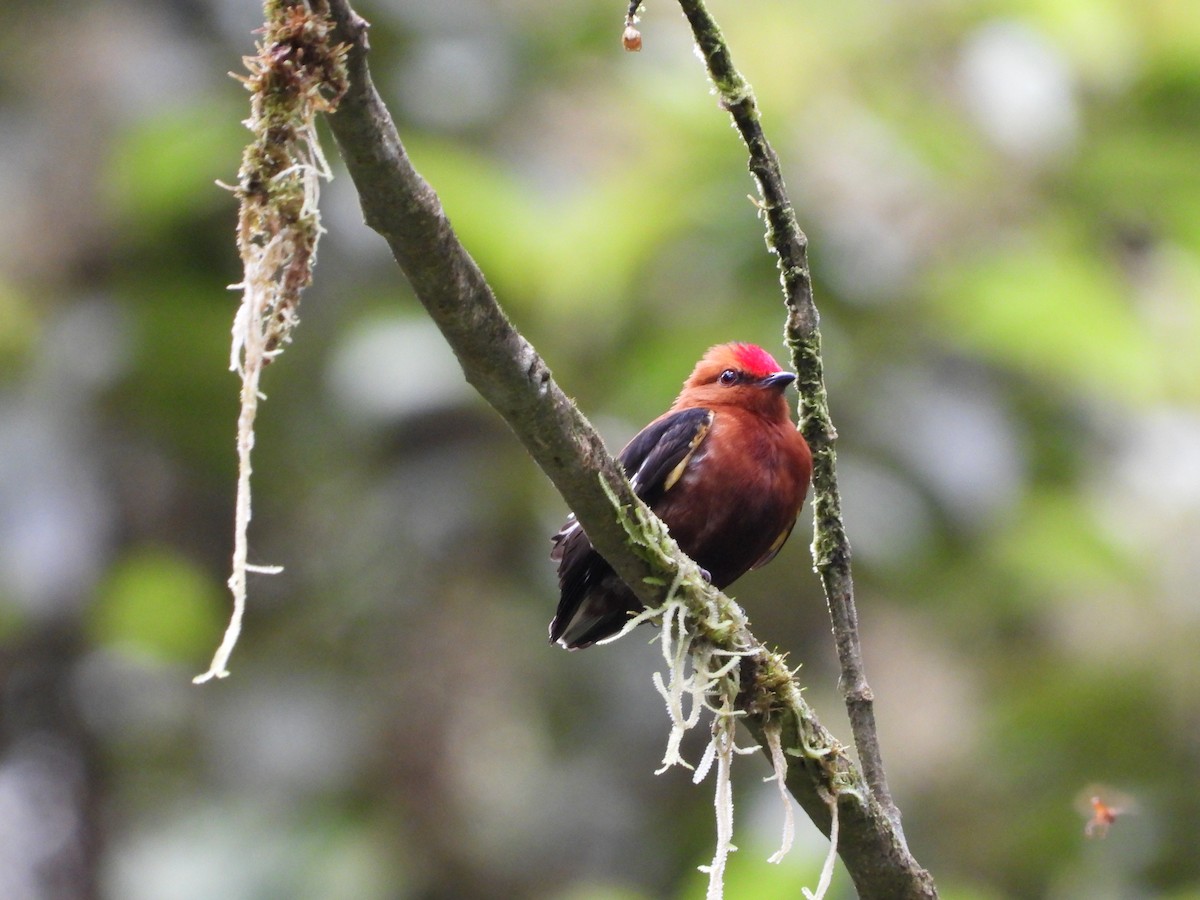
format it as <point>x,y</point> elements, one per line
<point>831,548</point>
<point>506,370</point>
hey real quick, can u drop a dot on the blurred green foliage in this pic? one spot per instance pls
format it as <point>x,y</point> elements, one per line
<point>1003,205</point>
<point>128,609</point>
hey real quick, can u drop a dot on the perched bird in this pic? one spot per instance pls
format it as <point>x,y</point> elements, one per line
<point>724,467</point>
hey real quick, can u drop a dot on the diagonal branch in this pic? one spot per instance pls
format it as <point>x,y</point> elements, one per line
<point>496,359</point>
<point>506,370</point>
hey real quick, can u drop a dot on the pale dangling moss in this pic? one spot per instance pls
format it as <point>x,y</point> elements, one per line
<point>296,74</point>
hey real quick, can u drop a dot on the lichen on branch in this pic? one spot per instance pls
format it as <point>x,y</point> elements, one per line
<point>297,73</point>
<point>714,664</point>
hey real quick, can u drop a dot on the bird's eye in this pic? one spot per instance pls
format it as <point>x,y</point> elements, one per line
<point>728,377</point>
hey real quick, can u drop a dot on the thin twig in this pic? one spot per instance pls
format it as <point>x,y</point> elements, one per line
<point>831,548</point>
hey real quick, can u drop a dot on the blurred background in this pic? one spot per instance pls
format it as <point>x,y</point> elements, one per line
<point>1003,203</point>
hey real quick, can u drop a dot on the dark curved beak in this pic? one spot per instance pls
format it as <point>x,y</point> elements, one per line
<point>778,381</point>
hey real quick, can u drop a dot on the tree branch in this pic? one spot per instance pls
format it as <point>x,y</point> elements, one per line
<point>831,548</point>
<point>496,359</point>
<point>510,375</point>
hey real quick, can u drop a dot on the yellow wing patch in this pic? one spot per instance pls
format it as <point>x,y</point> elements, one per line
<point>676,473</point>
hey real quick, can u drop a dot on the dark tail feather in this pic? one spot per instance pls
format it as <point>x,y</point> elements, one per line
<point>595,604</point>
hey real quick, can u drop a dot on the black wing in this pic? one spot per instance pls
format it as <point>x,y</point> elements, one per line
<point>656,457</point>
<point>594,603</point>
